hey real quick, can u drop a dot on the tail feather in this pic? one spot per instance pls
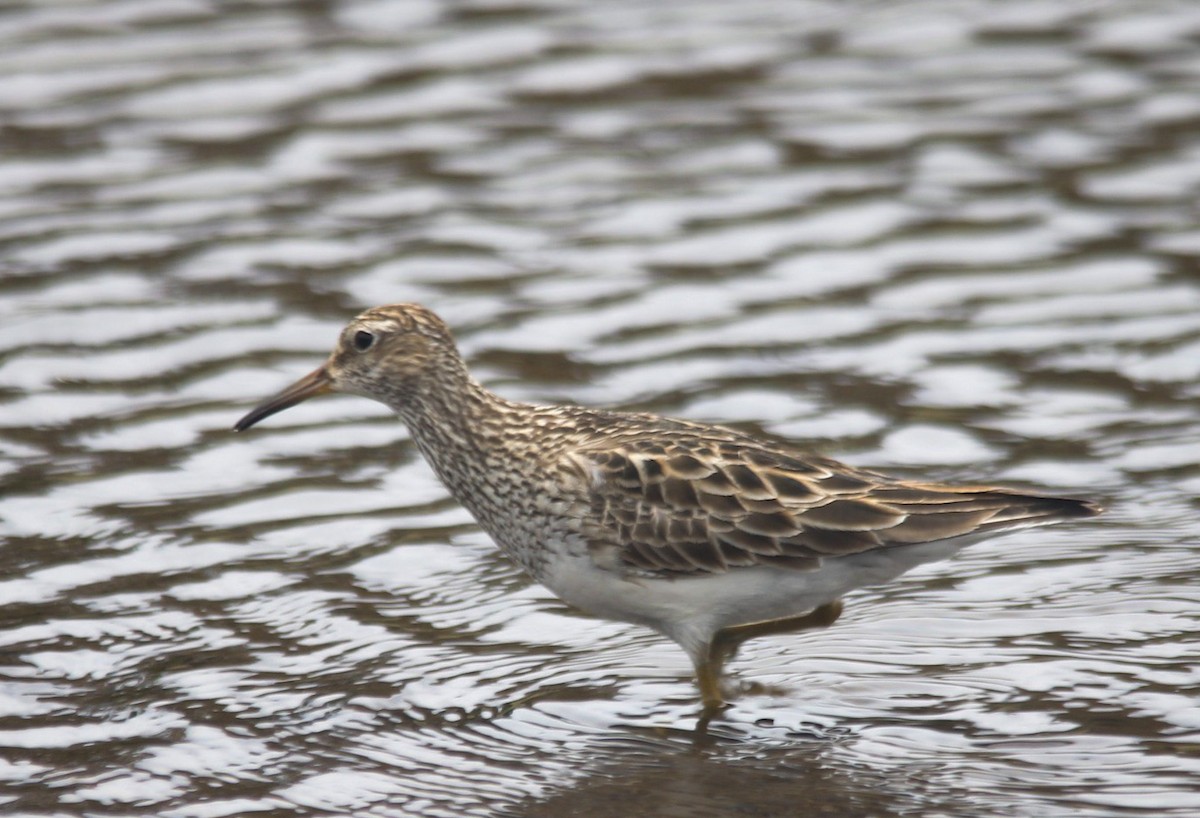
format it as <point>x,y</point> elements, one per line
<point>1024,511</point>
<point>936,513</point>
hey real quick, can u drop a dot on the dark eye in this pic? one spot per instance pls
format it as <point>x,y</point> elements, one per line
<point>363,340</point>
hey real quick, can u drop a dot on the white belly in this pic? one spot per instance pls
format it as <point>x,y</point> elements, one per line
<point>691,609</point>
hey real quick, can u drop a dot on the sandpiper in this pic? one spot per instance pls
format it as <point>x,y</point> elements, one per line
<point>707,535</point>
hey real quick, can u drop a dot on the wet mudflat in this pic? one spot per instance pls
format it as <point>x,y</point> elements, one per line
<point>955,240</point>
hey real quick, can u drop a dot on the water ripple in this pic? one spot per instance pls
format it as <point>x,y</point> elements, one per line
<point>957,242</point>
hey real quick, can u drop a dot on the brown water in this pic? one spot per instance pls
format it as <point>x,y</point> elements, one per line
<point>957,239</point>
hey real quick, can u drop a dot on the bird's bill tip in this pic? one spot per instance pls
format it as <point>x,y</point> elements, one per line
<point>314,383</point>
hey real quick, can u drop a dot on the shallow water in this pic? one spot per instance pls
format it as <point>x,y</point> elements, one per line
<point>957,240</point>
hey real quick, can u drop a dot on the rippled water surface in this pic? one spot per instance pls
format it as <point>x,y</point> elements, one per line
<point>954,239</point>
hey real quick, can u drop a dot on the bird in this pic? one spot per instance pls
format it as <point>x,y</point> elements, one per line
<point>705,534</point>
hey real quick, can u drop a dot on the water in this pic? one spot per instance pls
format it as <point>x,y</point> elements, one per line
<point>955,240</point>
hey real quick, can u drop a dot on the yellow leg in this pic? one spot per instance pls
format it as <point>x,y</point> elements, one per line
<point>708,677</point>
<point>727,641</point>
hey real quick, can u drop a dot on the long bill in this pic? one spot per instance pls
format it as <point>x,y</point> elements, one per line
<point>314,383</point>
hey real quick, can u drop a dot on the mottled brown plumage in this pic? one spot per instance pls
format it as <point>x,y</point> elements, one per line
<point>712,501</point>
<point>705,534</point>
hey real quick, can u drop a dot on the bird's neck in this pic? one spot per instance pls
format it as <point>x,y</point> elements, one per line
<point>459,425</point>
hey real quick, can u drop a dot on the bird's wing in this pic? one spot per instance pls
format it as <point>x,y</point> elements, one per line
<point>691,506</point>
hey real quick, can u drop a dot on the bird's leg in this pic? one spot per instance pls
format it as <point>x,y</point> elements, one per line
<point>727,641</point>
<point>708,677</point>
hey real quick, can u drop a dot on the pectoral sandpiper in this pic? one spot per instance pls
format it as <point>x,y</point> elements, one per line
<point>707,535</point>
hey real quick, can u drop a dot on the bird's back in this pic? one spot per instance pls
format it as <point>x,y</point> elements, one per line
<point>671,497</point>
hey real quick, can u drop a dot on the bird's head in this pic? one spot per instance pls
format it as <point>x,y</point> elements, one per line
<point>388,354</point>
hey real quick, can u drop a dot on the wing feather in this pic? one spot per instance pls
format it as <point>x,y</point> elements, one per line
<point>689,505</point>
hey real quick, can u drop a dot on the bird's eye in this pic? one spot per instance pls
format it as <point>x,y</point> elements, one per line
<point>363,340</point>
